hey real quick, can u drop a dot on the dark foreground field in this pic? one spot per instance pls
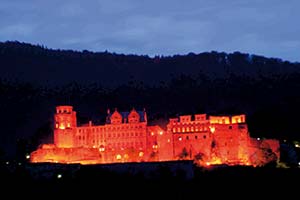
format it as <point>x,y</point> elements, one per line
<point>93,183</point>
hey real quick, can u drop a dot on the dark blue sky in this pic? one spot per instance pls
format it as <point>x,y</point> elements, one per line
<point>157,27</point>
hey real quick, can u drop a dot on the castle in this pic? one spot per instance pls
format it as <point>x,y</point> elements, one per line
<point>127,137</point>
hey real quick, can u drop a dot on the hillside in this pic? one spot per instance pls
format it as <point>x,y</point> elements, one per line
<point>40,65</point>
<point>34,79</point>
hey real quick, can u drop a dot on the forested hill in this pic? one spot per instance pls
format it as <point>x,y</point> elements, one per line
<point>34,79</point>
<point>36,64</point>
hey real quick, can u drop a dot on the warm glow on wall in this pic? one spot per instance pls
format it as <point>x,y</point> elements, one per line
<point>118,157</point>
<point>62,126</point>
<point>123,140</point>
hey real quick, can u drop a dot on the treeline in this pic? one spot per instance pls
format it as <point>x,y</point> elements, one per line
<point>44,66</point>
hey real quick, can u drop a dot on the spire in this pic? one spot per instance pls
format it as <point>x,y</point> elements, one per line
<point>145,115</point>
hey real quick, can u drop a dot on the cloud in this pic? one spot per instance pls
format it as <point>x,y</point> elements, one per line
<point>156,27</point>
<point>17,30</point>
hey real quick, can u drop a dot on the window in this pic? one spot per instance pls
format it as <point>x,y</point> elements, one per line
<point>230,127</point>
<point>196,137</point>
<point>187,137</point>
<point>204,136</point>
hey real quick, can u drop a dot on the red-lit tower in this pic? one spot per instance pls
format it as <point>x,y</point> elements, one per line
<point>65,126</point>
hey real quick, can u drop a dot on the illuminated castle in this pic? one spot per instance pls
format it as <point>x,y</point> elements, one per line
<point>126,137</point>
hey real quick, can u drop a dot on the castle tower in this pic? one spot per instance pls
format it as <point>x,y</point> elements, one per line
<point>65,126</point>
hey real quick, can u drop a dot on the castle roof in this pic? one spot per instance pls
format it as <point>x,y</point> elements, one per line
<point>127,113</point>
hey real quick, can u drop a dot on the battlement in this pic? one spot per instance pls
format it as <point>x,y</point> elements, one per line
<point>227,119</point>
<point>64,109</point>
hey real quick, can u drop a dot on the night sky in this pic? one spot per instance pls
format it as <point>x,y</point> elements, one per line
<point>156,27</point>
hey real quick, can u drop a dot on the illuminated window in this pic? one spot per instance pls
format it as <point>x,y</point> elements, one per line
<point>178,129</point>
<point>174,130</point>
<point>180,138</point>
<point>196,128</point>
<point>192,129</point>
<point>56,125</point>
<point>160,133</point>
<point>183,130</point>
<point>62,126</point>
<point>187,129</point>
<point>118,157</point>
